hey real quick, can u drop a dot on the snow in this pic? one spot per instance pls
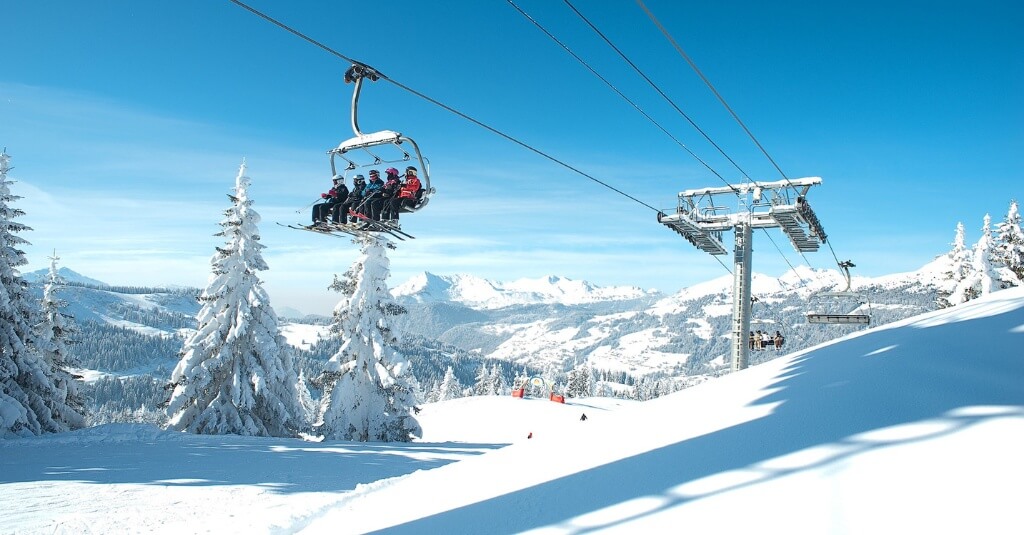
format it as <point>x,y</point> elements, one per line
<point>302,335</point>
<point>912,427</point>
<point>478,293</point>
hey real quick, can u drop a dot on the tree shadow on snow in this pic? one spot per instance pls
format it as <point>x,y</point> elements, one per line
<point>831,397</point>
<point>177,459</point>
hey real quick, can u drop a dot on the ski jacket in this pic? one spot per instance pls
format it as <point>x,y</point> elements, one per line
<point>373,188</point>
<point>391,187</point>
<point>336,194</point>
<point>357,192</point>
<point>410,188</point>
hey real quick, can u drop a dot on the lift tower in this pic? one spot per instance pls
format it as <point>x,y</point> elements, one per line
<point>703,215</point>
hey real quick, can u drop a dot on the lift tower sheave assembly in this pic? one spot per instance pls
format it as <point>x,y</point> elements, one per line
<point>702,216</point>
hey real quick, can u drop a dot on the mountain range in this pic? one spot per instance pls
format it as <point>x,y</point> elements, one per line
<point>547,325</point>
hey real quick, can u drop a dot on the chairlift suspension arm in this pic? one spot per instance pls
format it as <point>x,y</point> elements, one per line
<point>356,73</point>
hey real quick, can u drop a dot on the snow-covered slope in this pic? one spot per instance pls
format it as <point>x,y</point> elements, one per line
<point>913,427</point>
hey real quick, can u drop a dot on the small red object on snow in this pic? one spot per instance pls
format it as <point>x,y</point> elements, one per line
<point>519,393</point>
<point>557,398</point>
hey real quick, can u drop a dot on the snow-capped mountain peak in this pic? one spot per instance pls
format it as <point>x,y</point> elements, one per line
<point>42,275</point>
<point>475,292</point>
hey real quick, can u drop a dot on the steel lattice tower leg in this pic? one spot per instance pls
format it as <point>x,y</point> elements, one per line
<point>741,296</point>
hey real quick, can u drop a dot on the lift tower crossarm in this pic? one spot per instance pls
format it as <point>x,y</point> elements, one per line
<point>702,216</point>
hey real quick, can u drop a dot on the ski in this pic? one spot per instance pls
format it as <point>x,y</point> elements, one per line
<point>373,230</point>
<point>330,229</point>
<point>311,228</point>
<point>383,227</point>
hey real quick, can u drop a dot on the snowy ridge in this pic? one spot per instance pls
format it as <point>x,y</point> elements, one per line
<point>40,275</point>
<point>478,293</point>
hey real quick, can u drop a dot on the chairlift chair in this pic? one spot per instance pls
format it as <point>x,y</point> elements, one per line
<point>388,140</point>
<point>846,296</point>
<point>766,326</point>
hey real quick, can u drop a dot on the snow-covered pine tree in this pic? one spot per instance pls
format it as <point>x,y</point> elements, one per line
<point>30,401</point>
<point>982,277</point>
<point>959,266</point>
<point>580,382</point>
<point>483,383</point>
<point>309,406</point>
<point>1009,245</point>
<point>55,331</point>
<point>499,386</point>
<point>369,392</point>
<point>450,387</point>
<point>236,374</point>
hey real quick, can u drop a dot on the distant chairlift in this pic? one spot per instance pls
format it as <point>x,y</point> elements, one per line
<point>767,327</point>
<point>846,296</point>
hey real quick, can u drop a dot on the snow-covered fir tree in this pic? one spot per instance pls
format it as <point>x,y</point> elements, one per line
<point>369,390</point>
<point>31,403</point>
<point>306,401</point>
<point>56,331</point>
<point>499,386</point>
<point>959,266</point>
<point>483,383</point>
<point>982,278</point>
<point>580,382</point>
<point>236,374</point>
<point>450,387</point>
<point>1009,246</point>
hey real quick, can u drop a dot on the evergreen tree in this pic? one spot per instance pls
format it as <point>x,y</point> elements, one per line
<point>369,390</point>
<point>960,255</point>
<point>1009,246</point>
<point>483,383</point>
<point>499,386</point>
<point>450,387</point>
<point>309,406</point>
<point>580,382</point>
<point>31,403</point>
<point>959,267</point>
<point>982,277</point>
<point>236,375</point>
<point>55,332</point>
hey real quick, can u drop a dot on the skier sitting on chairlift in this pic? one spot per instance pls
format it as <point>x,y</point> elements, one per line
<point>372,195</point>
<point>337,194</point>
<point>383,205</point>
<point>355,197</point>
<point>408,194</point>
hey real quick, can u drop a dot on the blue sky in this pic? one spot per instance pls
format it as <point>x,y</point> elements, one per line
<point>127,121</point>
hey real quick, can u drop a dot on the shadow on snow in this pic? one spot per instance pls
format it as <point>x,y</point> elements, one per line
<point>829,397</point>
<point>176,459</point>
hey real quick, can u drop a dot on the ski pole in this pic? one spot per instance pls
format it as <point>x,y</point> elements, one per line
<point>304,208</point>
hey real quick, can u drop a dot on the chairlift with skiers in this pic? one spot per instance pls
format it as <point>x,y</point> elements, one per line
<point>381,147</point>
